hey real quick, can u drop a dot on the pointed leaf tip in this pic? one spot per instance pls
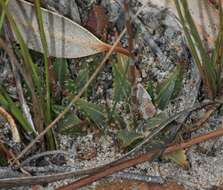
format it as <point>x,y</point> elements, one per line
<point>65,38</point>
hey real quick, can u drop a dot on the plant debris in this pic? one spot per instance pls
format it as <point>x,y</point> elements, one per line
<point>111,107</point>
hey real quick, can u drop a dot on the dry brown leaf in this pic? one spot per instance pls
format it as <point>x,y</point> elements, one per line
<point>142,102</point>
<point>97,21</point>
<point>13,127</point>
<point>178,157</point>
<point>65,38</point>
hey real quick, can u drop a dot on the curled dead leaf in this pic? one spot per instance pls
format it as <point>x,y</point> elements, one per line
<point>13,127</point>
<point>178,157</point>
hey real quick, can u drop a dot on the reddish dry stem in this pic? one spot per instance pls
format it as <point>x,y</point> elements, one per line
<point>117,49</point>
<point>138,160</point>
<point>129,28</point>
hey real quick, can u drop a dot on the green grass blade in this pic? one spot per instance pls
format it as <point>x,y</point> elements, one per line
<point>94,112</point>
<point>169,89</point>
<point>24,50</point>
<point>47,112</point>
<point>7,102</point>
<point>46,64</point>
<point>202,60</point>
<point>61,71</point>
<point>2,18</point>
<point>208,66</point>
<point>189,39</point>
<point>217,54</point>
<point>194,33</point>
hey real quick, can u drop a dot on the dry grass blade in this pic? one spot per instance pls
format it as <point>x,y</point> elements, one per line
<point>16,68</point>
<point>106,169</point>
<point>37,118</point>
<point>2,18</point>
<point>47,113</point>
<point>77,97</point>
<point>205,16</point>
<point>208,65</point>
<point>142,102</point>
<point>24,106</point>
<point>138,160</point>
<point>10,120</point>
<point>64,37</point>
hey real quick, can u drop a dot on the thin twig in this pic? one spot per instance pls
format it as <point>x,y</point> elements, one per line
<point>47,153</point>
<point>22,100</point>
<point>10,156</point>
<point>132,68</point>
<point>49,169</point>
<point>106,170</point>
<point>77,97</point>
<point>65,175</point>
<point>24,105</point>
<point>162,126</point>
<point>204,119</point>
<point>140,159</point>
<point>32,180</point>
<point>55,177</point>
<point>13,59</point>
<point>128,27</point>
<point>27,78</point>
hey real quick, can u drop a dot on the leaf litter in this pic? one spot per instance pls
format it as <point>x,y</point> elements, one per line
<point>169,40</point>
<point>65,38</point>
<point>171,43</point>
